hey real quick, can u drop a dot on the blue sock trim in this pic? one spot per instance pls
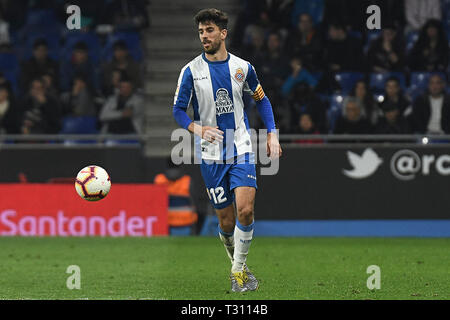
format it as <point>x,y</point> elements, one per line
<point>245,228</point>
<point>226,234</point>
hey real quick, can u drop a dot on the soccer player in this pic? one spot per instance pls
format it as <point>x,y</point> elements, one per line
<point>214,83</point>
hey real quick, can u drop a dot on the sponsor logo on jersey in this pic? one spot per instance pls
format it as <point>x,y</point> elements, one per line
<point>223,102</point>
<point>201,78</point>
<point>239,75</point>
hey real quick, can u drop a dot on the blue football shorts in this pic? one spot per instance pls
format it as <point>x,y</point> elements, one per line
<point>221,178</point>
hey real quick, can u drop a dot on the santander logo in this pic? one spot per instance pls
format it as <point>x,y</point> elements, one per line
<point>75,226</point>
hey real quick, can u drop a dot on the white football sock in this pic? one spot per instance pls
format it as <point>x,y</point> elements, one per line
<point>243,237</point>
<point>228,242</point>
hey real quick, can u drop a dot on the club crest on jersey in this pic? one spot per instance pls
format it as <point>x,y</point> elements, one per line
<point>239,75</point>
<point>223,102</point>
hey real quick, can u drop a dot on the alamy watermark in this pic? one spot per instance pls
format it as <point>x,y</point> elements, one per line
<point>374,20</point>
<point>74,20</point>
<point>254,145</point>
<point>74,280</point>
<point>374,280</point>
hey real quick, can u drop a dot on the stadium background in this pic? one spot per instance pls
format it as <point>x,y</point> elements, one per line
<point>311,195</point>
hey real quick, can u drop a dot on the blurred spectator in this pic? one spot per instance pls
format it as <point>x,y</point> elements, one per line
<point>79,64</point>
<point>122,61</point>
<point>306,125</point>
<point>431,111</point>
<point>392,121</point>
<point>112,86</point>
<point>299,74</point>
<point>369,106</point>
<point>386,53</point>
<point>314,9</point>
<point>80,101</point>
<point>342,53</point>
<point>393,93</point>
<point>4,82</point>
<point>254,46</point>
<point>305,42</point>
<point>41,113</point>
<point>418,12</point>
<point>352,120</point>
<point>5,44</point>
<point>49,84</point>
<point>272,67</point>
<point>303,100</point>
<point>123,112</point>
<point>38,65</point>
<point>430,52</point>
<point>9,113</point>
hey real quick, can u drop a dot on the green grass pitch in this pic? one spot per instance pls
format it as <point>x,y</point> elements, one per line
<point>198,268</point>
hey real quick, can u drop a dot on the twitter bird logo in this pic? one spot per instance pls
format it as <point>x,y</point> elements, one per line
<point>364,165</point>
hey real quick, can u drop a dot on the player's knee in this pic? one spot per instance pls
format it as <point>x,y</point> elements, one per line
<point>245,212</point>
<point>226,223</point>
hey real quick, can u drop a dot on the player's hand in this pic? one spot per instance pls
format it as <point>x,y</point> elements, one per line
<point>274,150</point>
<point>212,134</point>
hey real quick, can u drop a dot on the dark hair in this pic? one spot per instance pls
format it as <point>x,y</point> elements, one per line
<point>124,77</point>
<point>80,45</point>
<point>423,39</point>
<point>120,44</point>
<point>392,78</point>
<point>39,43</point>
<point>218,17</point>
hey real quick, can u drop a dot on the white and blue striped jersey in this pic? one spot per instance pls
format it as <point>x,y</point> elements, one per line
<point>215,91</point>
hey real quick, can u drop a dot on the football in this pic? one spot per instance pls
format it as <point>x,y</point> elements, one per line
<point>92,183</point>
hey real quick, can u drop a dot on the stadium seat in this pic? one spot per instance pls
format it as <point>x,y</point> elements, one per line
<point>411,39</point>
<point>79,125</point>
<point>8,62</point>
<point>371,35</point>
<point>335,110</point>
<point>90,39</point>
<point>347,80</point>
<point>133,41</point>
<point>377,80</point>
<point>41,17</point>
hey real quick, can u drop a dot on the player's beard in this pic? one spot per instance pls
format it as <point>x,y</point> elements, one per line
<point>214,47</point>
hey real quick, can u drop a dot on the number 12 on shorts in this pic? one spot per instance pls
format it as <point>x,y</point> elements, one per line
<point>217,195</point>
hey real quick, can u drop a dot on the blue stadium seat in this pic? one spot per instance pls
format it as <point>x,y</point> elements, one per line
<point>79,125</point>
<point>371,35</point>
<point>335,110</point>
<point>133,41</point>
<point>8,62</point>
<point>377,80</point>
<point>347,80</point>
<point>41,17</point>
<point>90,39</point>
<point>411,39</point>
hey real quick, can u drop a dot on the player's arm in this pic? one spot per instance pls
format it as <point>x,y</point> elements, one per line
<point>264,108</point>
<point>182,100</point>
